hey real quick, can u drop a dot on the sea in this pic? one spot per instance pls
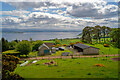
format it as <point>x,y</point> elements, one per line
<point>39,35</point>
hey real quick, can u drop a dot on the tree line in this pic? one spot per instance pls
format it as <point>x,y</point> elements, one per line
<point>95,34</point>
<point>24,46</point>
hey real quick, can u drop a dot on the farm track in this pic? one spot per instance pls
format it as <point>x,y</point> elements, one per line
<point>57,57</point>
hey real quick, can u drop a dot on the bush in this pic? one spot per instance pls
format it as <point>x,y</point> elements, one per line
<point>77,42</point>
<point>72,44</point>
<point>57,41</point>
<point>106,45</point>
<point>53,45</point>
<point>64,45</point>
<point>12,45</point>
<point>11,52</point>
<point>12,76</point>
<point>84,41</point>
<point>9,63</point>
<point>24,47</point>
<point>58,45</point>
<point>5,44</point>
<point>99,65</point>
<point>37,44</point>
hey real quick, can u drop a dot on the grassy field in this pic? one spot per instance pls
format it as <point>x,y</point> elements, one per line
<point>71,68</point>
<point>66,41</point>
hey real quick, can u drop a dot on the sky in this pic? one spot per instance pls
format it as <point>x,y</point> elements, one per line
<point>58,14</point>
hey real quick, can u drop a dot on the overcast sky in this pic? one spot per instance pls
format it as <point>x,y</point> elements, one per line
<point>58,14</point>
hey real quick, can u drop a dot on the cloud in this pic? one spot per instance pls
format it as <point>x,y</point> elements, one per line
<point>63,14</point>
<point>14,12</point>
<point>93,10</point>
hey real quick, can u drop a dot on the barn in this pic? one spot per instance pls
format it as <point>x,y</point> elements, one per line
<point>85,49</point>
<point>45,49</point>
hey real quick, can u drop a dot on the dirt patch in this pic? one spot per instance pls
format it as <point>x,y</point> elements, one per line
<point>116,59</point>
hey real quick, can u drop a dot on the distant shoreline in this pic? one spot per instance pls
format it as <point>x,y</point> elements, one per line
<point>10,36</point>
<point>53,39</point>
<point>36,31</point>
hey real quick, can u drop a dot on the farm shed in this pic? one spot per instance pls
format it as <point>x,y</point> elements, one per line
<point>50,45</point>
<point>45,49</point>
<point>85,49</point>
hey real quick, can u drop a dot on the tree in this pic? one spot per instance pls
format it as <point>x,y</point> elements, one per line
<point>57,41</point>
<point>24,47</point>
<point>97,32</point>
<point>115,37</point>
<point>17,40</point>
<point>12,45</point>
<point>37,44</point>
<point>87,34</point>
<point>5,44</point>
<point>103,31</point>
<point>108,32</point>
<point>31,40</point>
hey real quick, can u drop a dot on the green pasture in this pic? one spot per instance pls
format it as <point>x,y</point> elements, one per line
<point>71,68</point>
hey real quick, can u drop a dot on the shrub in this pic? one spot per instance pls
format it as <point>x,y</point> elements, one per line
<point>77,42</point>
<point>12,45</point>
<point>71,44</point>
<point>99,65</point>
<point>84,41</point>
<point>106,45</point>
<point>9,63</point>
<point>64,45</point>
<point>57,41</point>
<point>37,44</point>
<point>12,76</point>
<point>24,47</point>
<point>58,45</point>
<point>53,45</point>
<point>11,52</point>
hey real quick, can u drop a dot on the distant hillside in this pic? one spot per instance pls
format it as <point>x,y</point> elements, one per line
<point>37,30</point>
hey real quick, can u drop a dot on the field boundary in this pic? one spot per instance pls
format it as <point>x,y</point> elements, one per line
<point>58,57</point>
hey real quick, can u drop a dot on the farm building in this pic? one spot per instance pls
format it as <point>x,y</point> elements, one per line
<point>50,45</point>
<point>45,49</point>
<point>85,49</point>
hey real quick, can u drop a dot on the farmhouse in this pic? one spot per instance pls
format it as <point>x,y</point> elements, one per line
<point>45,49</point>
<point>85,49</point>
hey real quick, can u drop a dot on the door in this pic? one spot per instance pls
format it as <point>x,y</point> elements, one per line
<point>46,51</point>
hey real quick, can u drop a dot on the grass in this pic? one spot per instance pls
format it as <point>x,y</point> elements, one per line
<point>10,52</point>
<point>33,54</point>
<point>71,68</point>
<point>68,41</point>
<point>49,41</point>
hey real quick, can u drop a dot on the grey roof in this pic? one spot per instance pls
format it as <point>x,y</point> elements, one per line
<point>83,46</point>
<point>43,45</point>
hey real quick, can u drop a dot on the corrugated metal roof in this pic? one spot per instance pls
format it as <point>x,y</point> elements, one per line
<point>83,46</point>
